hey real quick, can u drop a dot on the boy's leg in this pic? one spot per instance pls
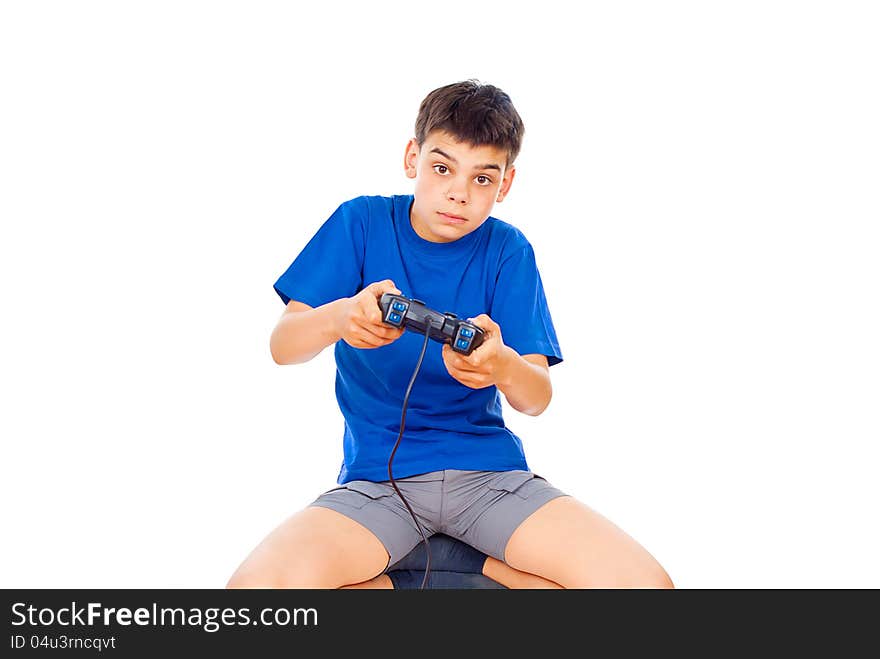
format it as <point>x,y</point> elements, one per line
<point>515,579</point>
<point>315,548</point>
<point>346,536</point>
<point>573,545</point>
<point>518,517</point>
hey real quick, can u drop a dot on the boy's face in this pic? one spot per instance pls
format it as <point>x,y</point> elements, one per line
<point>454,178</point>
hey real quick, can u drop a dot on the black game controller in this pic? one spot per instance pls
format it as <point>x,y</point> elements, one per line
<point>399,311</point>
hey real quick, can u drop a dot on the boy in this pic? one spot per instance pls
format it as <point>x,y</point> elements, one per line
<point>458,465</point>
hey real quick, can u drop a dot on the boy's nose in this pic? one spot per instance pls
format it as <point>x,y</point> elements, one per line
<point>457,195</point>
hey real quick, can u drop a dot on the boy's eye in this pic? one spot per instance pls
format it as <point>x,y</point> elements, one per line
<point>482,179</point>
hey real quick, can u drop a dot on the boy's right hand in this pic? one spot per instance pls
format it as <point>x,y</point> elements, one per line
<point>359,321</point>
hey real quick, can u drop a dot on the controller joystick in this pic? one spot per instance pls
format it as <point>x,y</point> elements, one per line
<point>399,311</point>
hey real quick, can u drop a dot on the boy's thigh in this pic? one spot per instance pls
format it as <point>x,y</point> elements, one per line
<point>487,507</point>
<point>569,543</point>
<point>314,548</point>
<point>376,507</point>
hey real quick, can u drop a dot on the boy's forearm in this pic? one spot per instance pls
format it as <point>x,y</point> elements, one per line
<point>525,385</point>
<point>300,335</point>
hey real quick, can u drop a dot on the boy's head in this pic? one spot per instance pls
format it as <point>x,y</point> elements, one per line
<point>467,138</point>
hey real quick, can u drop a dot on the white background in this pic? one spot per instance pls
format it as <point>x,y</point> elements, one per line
<point>699,181</point>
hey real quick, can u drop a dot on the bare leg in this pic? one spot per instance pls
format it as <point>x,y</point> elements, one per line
<point>513,578</point>
<point>574,546</point>
<point>315,548</point>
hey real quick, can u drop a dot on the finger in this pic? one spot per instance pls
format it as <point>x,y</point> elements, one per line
<point>381,287</point>
<point>374,324</point>
<point>357,342</point>
<point>475,360</point>
<point>372,341</point>
<point>384,329</point>
<point>490,327</point>
<point>450,359</point>
<point>466,366</point>
<point>369,311</point>
<point>380,331</point>
<point>460,362</point>
<point>459,375</point>
<point>484,322</point>
<point>358,332</point>
<point>363,339</point>
<point>471,381</point>
<point>385,332</point>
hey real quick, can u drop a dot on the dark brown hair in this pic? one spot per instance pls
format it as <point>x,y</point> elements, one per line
<point>481,115</point>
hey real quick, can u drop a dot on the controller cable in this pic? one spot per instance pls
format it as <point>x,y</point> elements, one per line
<point>394,450</point>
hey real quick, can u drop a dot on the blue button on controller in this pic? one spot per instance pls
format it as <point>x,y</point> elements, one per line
<point>399,306</point>
<point>461,343</point>
<point>394,317</point>
<point>466,332</point>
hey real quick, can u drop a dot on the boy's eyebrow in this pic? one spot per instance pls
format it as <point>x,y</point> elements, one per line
<point>490,165</point>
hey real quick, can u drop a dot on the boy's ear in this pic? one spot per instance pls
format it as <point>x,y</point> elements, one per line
<point>410,158</point>
<point>506,182</point>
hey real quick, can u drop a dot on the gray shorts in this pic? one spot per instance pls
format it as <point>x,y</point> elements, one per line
<point>481,508</point>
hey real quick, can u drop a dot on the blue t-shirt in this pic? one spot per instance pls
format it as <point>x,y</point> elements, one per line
<point>491,270</point>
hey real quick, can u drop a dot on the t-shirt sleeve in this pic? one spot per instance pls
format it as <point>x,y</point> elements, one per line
<point>520,307</point>
<point>330,266</point>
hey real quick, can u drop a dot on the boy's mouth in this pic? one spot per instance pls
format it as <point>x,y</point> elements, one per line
<point>452,219</point>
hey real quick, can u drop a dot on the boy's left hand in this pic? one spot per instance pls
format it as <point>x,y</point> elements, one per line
<point>485,366</point>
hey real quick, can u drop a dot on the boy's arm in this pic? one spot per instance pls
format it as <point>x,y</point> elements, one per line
<point>523,379</point>
<point>303,331</point>
<point>526,383</point>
